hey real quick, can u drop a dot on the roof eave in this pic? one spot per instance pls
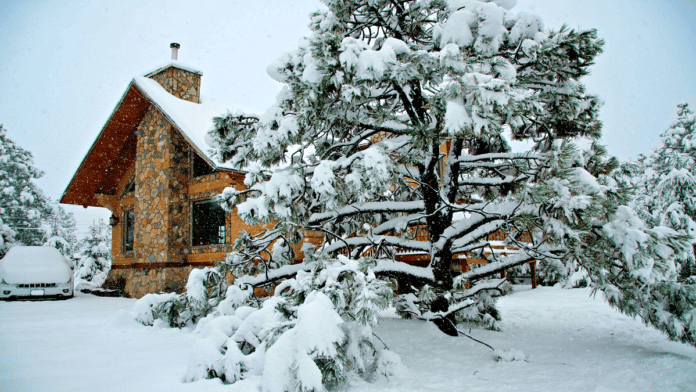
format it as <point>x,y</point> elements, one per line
<point>91,148</point>
<point>133,85</point>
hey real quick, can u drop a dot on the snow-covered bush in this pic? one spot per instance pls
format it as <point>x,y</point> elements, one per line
<point>283,347</point>
<point>7,236</point>
<point>315,331</point>
<point>205,290</point>
<point>94,261</point>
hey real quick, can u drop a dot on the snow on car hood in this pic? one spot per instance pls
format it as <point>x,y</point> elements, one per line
<point>34,264</point>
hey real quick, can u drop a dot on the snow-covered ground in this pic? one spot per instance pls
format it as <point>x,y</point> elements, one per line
<point>572,343</point>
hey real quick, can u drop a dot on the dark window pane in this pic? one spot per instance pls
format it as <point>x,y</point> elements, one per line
<point>200,166</point>
<point>129,231</point>
<point>130,187</point>
<point>208,223</point>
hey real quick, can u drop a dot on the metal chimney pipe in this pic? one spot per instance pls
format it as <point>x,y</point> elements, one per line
<point>175,50</point>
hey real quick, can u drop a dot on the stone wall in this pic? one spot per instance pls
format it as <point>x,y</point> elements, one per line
<point>161,194</point>
<point>151,213</point>
<point>160,202</point>
<point>177,199</point>
<point>180,83</point>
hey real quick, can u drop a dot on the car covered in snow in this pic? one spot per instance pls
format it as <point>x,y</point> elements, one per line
<point>35,272</point>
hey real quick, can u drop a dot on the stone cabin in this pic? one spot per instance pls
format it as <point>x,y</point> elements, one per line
<point>150,166</point>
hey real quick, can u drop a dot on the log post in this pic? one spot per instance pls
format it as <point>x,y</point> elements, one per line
<point>466,269</point>
<point>532,268</point>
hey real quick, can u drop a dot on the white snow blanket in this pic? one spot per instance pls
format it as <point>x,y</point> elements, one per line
<point>571,341</point>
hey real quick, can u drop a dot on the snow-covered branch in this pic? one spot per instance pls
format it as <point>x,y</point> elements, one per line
<point>374,240</point>
<point>367,208</point>
<point>498,156</point>
<point>492,181</point>
<point>272,275</point>
<point>504,263</point>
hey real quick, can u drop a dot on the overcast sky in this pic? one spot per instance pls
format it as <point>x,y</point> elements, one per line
<point>65,64</point>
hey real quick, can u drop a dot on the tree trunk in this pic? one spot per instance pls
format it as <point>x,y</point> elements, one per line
<point>441,264</point>
<point>448,323</point>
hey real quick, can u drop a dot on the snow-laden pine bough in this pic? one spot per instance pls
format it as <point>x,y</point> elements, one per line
<point>400,117</point>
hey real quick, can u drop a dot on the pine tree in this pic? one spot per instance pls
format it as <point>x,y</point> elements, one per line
<point>59,230</point>
<point>22,204</point>
<point>666,182</point>
<point>396,118</point>
<point>95,254</point>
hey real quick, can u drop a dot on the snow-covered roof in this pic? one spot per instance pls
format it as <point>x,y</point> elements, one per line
<point>175,64</point>
<point>194,120</point>
<point>34,264</point>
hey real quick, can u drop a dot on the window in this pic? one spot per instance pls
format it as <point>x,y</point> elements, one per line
<point>208,223</point>
<point>129,225</point>
<point>200,166</point>
<point>130,187</point>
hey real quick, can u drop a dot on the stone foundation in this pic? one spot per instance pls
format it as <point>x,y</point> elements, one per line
<point>136,282</point>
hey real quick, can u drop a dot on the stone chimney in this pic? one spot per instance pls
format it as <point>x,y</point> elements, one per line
<point>179,80</point>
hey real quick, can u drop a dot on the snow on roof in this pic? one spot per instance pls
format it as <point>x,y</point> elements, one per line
<point>34,264</point>
<point>194,120</point>
<point>176,64</point>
